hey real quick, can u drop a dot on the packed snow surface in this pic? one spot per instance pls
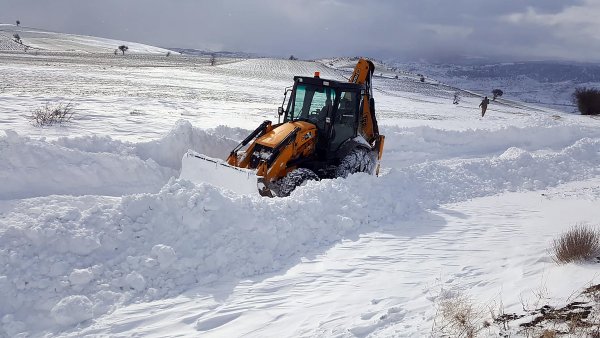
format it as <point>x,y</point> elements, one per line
<point>99,237</point>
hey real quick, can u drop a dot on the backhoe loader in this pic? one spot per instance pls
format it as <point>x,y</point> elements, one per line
<point>329,130</point>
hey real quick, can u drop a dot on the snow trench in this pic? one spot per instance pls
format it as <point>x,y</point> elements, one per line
<point>63,257</point>
<point>100,165</point>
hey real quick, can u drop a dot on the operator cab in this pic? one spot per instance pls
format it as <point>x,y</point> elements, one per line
<point>332,106</point>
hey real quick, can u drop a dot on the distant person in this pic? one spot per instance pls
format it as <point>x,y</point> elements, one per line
<point>456,98</point>
<point>484,103</point>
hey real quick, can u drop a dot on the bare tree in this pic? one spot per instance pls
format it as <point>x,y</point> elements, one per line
<point>52,114</point>
<point>18,23</point>
<point>17,38</point>
<point>213,60</point>
<point>292,57</point>
<point>123,48</point>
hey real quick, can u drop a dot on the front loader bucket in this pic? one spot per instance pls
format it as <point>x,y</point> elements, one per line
<point>199,168</point>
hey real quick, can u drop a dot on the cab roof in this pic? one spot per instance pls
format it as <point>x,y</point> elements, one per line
<point>317,81</point>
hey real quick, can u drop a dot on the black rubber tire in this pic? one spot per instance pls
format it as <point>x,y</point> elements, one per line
<point>358,160</point>
<point>294,179</point>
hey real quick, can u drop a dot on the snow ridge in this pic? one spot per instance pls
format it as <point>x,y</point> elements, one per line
<point>99,165</point>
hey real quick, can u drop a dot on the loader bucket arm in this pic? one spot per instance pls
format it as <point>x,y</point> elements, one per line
<point>233,156</point>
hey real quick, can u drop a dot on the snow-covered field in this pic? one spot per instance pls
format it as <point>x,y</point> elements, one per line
<point>98,237</point>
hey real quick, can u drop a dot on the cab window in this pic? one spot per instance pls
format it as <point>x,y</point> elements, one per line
<point>346,119</point>
<point>311,103</point>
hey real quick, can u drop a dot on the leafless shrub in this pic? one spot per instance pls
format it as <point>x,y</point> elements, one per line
<point>52,114</point>
<point>459,317</point>
<point>580,243</point>
<point>496,94</point>
<point>587,100</point>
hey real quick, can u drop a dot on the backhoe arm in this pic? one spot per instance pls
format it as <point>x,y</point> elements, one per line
<point>363,74</point>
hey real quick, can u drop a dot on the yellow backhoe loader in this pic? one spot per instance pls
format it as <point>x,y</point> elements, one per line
<point>329,130</point>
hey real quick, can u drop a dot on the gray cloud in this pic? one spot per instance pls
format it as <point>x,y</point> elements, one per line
<point>426,29</point>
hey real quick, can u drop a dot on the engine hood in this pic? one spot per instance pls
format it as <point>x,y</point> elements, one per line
<point>279,133</point>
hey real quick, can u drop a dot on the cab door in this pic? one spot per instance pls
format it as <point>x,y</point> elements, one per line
<point>344,121</point>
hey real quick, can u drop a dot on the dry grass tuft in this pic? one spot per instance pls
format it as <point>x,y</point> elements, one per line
<point>548,334</point>
<point>459,317</point>
<point>580,243</point>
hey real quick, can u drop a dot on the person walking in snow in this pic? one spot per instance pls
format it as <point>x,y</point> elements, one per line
<point>456,98</point>
<point>484,103</point>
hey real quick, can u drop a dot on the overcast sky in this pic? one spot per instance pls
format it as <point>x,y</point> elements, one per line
<point>404,29</point>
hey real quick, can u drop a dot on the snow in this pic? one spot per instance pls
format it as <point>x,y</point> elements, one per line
<point>541,82</point>
<point>41,40</point>
<point>100,237</point>
<point>72,310</point>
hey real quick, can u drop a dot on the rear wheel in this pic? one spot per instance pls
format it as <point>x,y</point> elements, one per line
<point>359,160</point>
<point>294,179</point>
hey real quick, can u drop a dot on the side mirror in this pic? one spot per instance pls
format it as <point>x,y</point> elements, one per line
<point>280,111</point>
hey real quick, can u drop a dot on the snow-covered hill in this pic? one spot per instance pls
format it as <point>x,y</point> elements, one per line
<point>98,236</point>
<point>547,83</point>
<point>36,39</point>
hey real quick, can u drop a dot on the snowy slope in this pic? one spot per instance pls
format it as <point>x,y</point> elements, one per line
<point>544,83</point>
<point>37,39</point>
<point>98,237</point>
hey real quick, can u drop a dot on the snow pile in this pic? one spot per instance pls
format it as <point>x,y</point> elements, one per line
<point>406,146</point>
<point>148,247</point>
<point>99,165</point>
<point>72,310</point>
<point>90,257</point>
<point>168,150</point>
<point>515,169</point>
<point>37,168</point>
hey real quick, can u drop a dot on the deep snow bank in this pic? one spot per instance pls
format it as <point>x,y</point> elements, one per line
<point>58,264</point>
<point>100,165</point>
<point>36,168</point>
<point>168,150</point>
<point>405,146</point>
